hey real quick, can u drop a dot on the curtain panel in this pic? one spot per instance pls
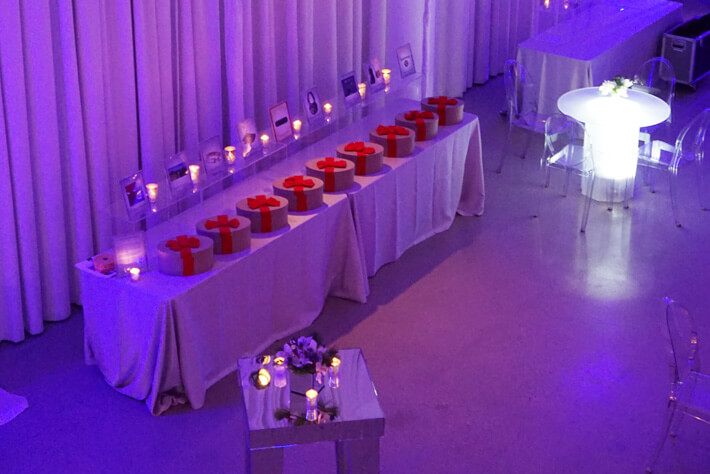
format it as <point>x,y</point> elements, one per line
<point>91,91</point>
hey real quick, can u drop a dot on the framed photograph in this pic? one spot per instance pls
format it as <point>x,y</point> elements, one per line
<point>211,155</point>
<point>246,130</point>
<point>134,194</point>
<point>312,106</point>
<point>373,73</point>
<point>130,251</point>
<point>281,121</point>
<point>349,86</point>
<point>406,60</point>
<point>178,173</point>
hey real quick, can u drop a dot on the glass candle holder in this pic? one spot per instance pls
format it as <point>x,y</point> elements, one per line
<point>135,273</point>
<point>280,376</point>
<point>327,108</point>
<point>362,88</point>
<point>387,75</point>
<point>264,141</point>
<point>230,154</point>
<point>334,372</point>
<point>297,126</point>
<point>263,378</point>
<point>152,191</point>
<point>311,405</point>
<point>194,173</point>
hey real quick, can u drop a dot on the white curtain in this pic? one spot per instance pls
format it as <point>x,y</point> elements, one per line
<point>93,90</point>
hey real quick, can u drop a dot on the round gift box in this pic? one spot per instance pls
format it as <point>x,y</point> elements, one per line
<point>335,178</point>
<point>424,128</point>
<point>453,112</point>
<point>403,145</point>
<point>365,163</point>
<point>299,200</point>
<point>264,218</point>
<point>170,261</point>
<point>227,238</point>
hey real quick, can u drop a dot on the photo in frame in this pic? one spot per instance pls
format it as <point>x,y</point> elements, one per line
<point>211,155</point>
<point>312,106</point>
<point>281,121</point>
<point>373,75</point>
<point>246,130</point>
<point>348,83</point>
<point>130,252</point>
<point>134,194</point>
<point>178,173</point>
<point>406,60</point>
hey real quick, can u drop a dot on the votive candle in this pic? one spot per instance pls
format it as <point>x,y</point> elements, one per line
<point>297,126</point>
<point>194,173</point>
<point>263,378</point>
<point>264,140</point>
<point>279,372</point>
<point>230,154</point>
<point>152,191</point>
<point>311,405</point>
<point>335,373</point>
<point>362,88</point>
<point>135,273</point>
<point>387,75</point>
<point>327,108</point>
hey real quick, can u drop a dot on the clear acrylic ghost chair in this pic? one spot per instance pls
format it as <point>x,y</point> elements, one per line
<point>521,100</point>
<point>690,388</point>
<point>688,147</point>
<point>565,150</point>
<point>657,77</point>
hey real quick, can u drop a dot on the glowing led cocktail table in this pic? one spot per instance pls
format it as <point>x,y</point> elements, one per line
<point>613,125</point>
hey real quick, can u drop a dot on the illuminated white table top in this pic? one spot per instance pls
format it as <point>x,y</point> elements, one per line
<point>613,125</point>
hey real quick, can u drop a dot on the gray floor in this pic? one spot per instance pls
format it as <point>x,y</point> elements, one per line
<point>506,344</point>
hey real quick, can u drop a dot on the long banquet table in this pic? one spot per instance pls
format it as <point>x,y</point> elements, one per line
<point>607,39</point>
<point>166,339</point>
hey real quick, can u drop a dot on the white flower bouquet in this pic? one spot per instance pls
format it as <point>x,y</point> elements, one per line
<point>618,86</point>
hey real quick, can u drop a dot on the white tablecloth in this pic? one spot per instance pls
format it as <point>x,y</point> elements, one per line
<point>167,339</point>
<point>607,39</point>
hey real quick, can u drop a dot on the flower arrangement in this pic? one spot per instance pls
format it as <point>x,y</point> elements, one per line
<point>618,86</point>
<point>305,356</point>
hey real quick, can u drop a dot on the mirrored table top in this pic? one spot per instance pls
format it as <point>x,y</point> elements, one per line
<point>359,413</point>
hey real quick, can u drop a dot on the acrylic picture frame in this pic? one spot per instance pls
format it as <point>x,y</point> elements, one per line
<point>130,252</point>
<point>312,106</point>
<point>212,155</point>
<point>348,85</point>
<point>406,60</point>
<point>135,196</point>
<point>373,75</point>
<point>178,174</point>
<point>247,133</point>
<point>281,122</point>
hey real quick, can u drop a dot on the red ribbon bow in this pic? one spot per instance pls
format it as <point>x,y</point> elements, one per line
<point>224,224</point>
<point>392,131</point>
<point>262,203</point>
<point>442,102</point>
<point>184,244</point>
<point>330,164</point>
<point>418,118</point>
<point>362,152</point>
<point>298,183</point>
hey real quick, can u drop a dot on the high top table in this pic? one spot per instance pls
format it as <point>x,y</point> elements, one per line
<point>607,39</point>
<point>613,125</point>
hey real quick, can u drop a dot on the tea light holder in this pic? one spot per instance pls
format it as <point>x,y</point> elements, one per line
<point>261,378</point>
<point>311,404</point>
<point>279,372</point>
<point>135,273</point>
<point>297,127</point>
<point>327,108</point>
<point>334,370</point>
<point>362,88</point>
<point>264,141</point>
<point>230,154</point>
<point>152,191</point>
<point>387,75</point>
<point>194,173</point>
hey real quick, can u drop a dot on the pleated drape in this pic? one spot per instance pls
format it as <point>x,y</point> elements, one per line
<point>93,90</point>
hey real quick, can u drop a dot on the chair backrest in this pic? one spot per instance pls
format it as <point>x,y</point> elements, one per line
<point>519,90</point>
<point>656,76</point>
<point>684,340</point>
<point>690,144</point>
<point>562,133</point>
